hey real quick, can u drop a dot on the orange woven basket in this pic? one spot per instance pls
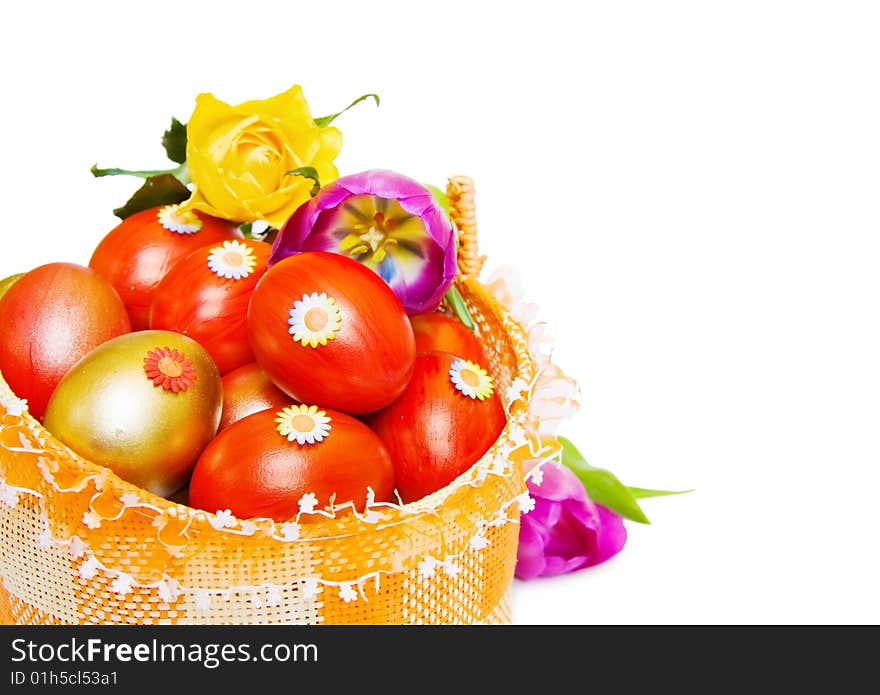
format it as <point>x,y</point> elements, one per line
<point>80,545</point>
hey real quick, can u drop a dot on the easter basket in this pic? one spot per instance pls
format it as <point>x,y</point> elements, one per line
<point>80,545</point>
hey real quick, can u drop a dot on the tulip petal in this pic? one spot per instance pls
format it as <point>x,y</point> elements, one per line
<point>530,561</point>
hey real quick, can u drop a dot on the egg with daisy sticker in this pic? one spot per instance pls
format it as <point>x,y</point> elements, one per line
<point>446,419</point>
<point>328,330</point>
<point>136,254</point>
<point>206,297</point>
<point>290,464</point>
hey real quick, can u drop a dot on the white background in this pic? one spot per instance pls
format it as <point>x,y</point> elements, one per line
<point>689,190</point>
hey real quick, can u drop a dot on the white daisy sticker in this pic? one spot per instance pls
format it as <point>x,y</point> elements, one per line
<point>178,222</point>
<point>314,319</point>
<point>471,379</point>
<point>303,424</point>
<point>233,261</point>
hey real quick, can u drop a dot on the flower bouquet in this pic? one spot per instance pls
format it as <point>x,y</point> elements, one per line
<point>282,395</point>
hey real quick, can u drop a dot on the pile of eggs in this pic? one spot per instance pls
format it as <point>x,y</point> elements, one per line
<point>183,362</point>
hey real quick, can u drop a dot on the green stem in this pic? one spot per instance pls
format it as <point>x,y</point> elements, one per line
<point>181,173</point>
<point>456,303</point>
<point>324,121</point>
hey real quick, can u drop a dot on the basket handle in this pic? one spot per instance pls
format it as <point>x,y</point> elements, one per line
<point>460,192</point>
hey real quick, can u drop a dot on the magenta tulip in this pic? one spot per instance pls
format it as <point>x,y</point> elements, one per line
<point>565,531</point>
<point>388,222</point>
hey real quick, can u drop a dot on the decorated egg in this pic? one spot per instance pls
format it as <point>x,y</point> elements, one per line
<point>276,464</point>
<point>328,330</point>
<point>447,418</point>
<point>206,296</point>
<point>446,333</point>
<point>51,317</point>
<point>248,390</point>
<point>143,404</point>
<point>140,250</point>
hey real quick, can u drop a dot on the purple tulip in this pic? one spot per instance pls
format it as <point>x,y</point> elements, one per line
<point>565,531</point>
<point>388,222</point>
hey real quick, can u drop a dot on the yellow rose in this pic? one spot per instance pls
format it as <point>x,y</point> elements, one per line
<point>239,156</point>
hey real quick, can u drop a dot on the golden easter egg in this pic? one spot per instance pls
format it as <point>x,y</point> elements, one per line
<point>143,404</point>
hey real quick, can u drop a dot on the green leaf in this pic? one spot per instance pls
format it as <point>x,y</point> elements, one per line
<point>174,141</point>
<point>641,493</point>
<point>164,189</point>
<point>456,303</point>
<point>324,121</point>
<point>439,196</point>
<point>308,173</point>
<point>602,486</point>
<point>179,172</point>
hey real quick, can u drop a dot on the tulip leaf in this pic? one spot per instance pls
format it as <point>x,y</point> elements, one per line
<point>324,121</point>
<point>459,308</point>
<point>602,486</point>
<point>641,493</point>
<point>164,189</point>
<point>439,196</point>
<point>174,141</point>
<point>308,173</point>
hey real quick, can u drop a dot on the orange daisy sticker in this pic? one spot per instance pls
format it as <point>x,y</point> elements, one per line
<point>170,369</point>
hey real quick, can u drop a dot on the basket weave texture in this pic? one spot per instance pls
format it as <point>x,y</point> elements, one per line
<point>80,545</point>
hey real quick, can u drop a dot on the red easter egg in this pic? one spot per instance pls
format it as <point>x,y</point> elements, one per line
<point>263,465</point>
<point>447,334</point>
<point>205,296</point>
<point>329,330</point>
<point>247,390</point>
<point>51,317</point>
<point>447,418</point>
<point>141,249</point>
